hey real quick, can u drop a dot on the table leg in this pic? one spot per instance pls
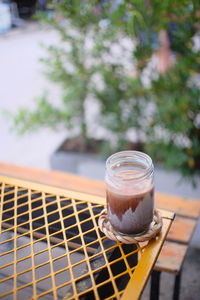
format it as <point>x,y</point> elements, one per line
<point>177,284</point>
<point>155,285</point>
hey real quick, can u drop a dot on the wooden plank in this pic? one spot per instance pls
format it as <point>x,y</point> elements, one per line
<point>179,205</point>
<point>182,229</point>
<point>54,178</point>
<point>171,257</point>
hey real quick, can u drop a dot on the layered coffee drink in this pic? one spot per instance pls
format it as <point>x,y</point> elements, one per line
<point>130,192</point>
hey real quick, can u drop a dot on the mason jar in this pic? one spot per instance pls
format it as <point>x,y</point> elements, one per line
<point>130,191</point>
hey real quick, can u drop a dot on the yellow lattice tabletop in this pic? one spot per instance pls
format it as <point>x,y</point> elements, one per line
<point>51,247</point>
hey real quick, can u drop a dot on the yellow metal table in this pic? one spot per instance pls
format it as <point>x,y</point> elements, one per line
<point>51,247</point>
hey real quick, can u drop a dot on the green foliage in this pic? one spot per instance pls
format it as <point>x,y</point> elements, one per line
<point>45,114</point>
<point>174,131</point>
<point>172,127</point>
<point>66,65</point>
<point>120,104</point>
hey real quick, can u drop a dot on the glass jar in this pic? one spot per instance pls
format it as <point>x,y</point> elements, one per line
<point>130,191</point>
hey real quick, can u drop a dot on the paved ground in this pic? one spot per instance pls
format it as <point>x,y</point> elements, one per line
<point>20,81</point>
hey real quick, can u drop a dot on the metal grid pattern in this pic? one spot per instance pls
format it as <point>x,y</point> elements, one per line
<point>51,246</point>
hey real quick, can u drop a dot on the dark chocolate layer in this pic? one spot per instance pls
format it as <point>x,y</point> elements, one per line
<point>130,214</point>
<point>119,203</point>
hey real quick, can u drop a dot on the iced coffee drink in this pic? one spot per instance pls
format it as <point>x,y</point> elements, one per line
<point>130,191</point>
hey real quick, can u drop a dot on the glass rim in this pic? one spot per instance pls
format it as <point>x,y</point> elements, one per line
<point>114,159</point>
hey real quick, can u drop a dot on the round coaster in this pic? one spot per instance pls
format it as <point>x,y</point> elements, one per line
<point>154,229</point>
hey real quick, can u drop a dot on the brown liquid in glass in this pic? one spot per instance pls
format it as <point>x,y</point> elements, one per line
<point>130,209</point>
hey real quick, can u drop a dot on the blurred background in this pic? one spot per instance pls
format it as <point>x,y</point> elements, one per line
<point>80,80</point>
<point>22,81</point>
<point>86,79</point>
